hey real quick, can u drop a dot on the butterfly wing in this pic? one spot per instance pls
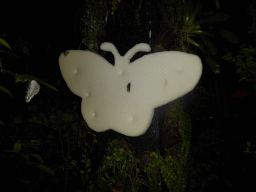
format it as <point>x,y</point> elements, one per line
<point>96,81</point>
<point>160,78</point>
<point>32,89</point>
<point>80,69</point>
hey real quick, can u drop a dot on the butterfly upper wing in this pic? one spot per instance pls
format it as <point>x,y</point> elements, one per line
<point>161,77</point>
<point>80,69</point>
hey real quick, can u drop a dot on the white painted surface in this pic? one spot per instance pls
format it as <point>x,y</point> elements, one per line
<point>155,79</point>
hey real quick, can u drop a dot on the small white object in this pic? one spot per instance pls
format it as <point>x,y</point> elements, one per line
<point>32,89</point>
<point>123,97</point>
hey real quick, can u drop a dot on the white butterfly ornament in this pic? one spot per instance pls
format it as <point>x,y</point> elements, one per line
<point>32,89</point>
<point>123,97</point>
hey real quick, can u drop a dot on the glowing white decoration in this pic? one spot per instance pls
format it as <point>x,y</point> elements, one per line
<point>123,97</point>
<point>32,89</point>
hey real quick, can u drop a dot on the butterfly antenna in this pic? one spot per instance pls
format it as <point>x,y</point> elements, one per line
<point>137,48</point>
<point>110,48</point>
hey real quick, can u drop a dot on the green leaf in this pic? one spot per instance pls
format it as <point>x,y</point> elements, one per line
<point>210,46</point>
<point>228,57</point>
<point>108,157</point>
<point>200,32</point>
<point>4,43</point>
<point>191,41</point>
<point>213,65</point>
<point>188,10</point>
<point>229,36</point>
<point>242,78</point>
<point>1,123</point>
<point>24,78</point>
<point>46,84</point>
<point>195,12</point>
<point>72,161</point>
<point>216,18</point>
<point>110,164</point>
<point>123,167</point>
<point>82,172</point>
<point>121,151</point>
<point>38,157</point>
<point>18,78</point>
<point>46,169</point>
<point>34,141</point>
<point>106,175</point>
<point>8,53</point>
<point>24,181</point>
<point>83,161</point>
<point>250,64</point>
<point>17,147</point>
<point>113,180</point>
<point>238,70</point>
<point>5,90</point>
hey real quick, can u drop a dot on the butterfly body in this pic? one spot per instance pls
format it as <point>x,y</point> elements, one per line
<point>129,87</point>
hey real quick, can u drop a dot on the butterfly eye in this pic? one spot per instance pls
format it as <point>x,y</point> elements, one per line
<point>66,53</point>
<point>128,87</point>
<point>32,89</point>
